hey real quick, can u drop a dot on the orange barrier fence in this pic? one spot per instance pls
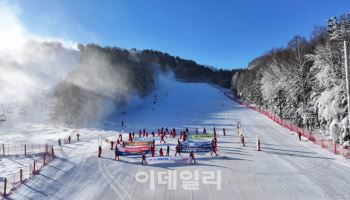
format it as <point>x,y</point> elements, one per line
<point>9,182</point>
<point>318,139</point>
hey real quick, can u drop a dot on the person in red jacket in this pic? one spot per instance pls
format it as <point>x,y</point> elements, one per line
<point>213,148</point>
<point>161,152</point>
<point>192,157</point>
<point>177,150</point>
<point>99,151</point>
<point>162,138</point>
<point>152,150</point>
<point>130,137</point>
<point>184,137</point>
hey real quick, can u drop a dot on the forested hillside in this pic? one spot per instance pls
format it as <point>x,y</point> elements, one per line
<point>303,82</point>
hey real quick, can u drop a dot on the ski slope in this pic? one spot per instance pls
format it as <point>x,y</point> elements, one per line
<point>285,168</point>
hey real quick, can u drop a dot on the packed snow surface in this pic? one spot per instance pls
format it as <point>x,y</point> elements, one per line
<point>285,168</point>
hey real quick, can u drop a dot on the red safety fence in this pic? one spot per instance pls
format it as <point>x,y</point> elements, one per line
<point>316,138</point>
<point>10,182</point>
<point>21,149</point>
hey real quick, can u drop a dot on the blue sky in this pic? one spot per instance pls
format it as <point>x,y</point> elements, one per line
<point>224,34</point>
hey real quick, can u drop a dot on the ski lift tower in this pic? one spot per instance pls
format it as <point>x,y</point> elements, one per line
<point>339,30</point>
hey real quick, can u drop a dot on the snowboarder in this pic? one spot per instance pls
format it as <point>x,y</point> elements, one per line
<point>192,157</point>
<point>161,152</point>
<point>99,151</point>
<point>167,150</point>
<point>116,153</point>
<point>59,141</point>
<point>143,158</point>
<point>78,135</point>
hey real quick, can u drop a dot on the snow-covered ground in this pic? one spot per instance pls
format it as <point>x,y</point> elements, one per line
<point>285,168</point>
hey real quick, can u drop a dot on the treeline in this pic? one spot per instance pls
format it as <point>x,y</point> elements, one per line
<point>303,82</point>
<point>109,75</point>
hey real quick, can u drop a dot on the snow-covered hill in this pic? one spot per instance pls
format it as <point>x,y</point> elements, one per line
<point>285,168</point>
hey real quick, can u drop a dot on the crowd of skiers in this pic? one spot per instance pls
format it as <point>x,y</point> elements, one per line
<point>163,134</point>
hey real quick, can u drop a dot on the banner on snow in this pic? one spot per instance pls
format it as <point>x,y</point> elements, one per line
<point>136,149</point>
<point>195,150</point>
<point>161,160</point>
<point>123,153</point>
<point>202,136</point>
<point>141,143</point>
<point>196,143</point>
<point>146,139</point>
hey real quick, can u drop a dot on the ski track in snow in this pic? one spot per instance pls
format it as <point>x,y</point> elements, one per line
<point>285,168</point>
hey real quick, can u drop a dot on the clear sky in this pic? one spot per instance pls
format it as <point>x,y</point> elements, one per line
<point>221,33</point>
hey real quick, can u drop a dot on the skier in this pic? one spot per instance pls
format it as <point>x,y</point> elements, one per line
<point>167,150</point>
<point>59,141</point>
<point>147,134</point>
<point>224,131</point>
<point>299,135</point>
<point>69,139</point>
<point>99,151</point>
<point>143,158</point>
<point>184,137</point>
<point>78,135</point>
<point>196,131</point>
<point>116,153</point>
<point>161,152</point>
<point>139,133</point>
<point>186,130</point>
<point>180,134</point>
<point>192,157</point>
<point>204,131</point>
<point>133,135</point>
<point>153,134</point>
<point>130,138</point>
<point>178,142</point>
